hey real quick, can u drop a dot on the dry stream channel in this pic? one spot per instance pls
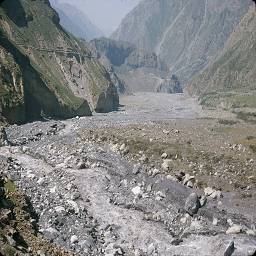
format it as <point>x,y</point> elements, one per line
<point>161,176</point>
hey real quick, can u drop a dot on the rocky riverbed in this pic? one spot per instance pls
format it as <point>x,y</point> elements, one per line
<point>159,177</point>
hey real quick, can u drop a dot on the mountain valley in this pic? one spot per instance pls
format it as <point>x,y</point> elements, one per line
<point>142,144</point>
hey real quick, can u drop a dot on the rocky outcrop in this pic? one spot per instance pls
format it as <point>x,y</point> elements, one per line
<point>185,34</point>
<point>108,100</point>
<point>229,81</point>
<point>170,85</point>
<point>12,104</point>
<point>57,75</point>
<point>120,84</point>
<point>75,21</point>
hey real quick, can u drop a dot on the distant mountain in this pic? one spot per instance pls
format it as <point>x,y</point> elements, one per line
<point>139,69</point>
<point>75,21</point>
<point>229,81</point>
<point>186,34</point>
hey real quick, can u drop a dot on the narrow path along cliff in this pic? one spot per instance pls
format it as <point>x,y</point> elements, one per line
<point>161,176</point>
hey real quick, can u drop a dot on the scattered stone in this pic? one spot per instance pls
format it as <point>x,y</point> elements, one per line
<point>151,249</point>
<point>180,175</point>
<point>252,252</point>
<point>143,159</point>
<point>160,195</point>
<point>164,155</point>
<point>59,209</point>
<point>190,184</point>
<point>81,165</point>
<point>188,178</point>
<point>176,242</point>
<point>215,222</point>
<point>11,241</point>
<point>235,229</point>
<point>203,201</point>
<point>166,132</point>
<point>172,178</point>
<point>124,149</point>
<point>41,181</point>
<point>230,222</point>
<point>136,169</point>
<point>166,165</point>
<point>183,220</point>
<point>208,191</point>
<point>216,194</point>
<point>73,205</point>
<point>176,131</point>
<point>138,252</point>
<point>74,239</point>
<point>192,204</point>
<point>155,172</point>
<point>137,191</point>
<point>41,253</point>
<point>251,232</point>
<point>149,188</point>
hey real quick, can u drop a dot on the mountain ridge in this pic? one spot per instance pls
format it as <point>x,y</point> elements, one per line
<point>75,21</point>
<point>185,34</point>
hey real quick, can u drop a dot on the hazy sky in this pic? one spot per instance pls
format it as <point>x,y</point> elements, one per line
<point>106,14</point>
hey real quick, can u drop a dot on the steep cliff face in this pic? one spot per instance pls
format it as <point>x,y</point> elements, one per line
<point>230,79</point>
<point>140,70</point>
<point>75,21</point>
<point>12,104</point>
<point>186,34</point>
<point>60,78</point>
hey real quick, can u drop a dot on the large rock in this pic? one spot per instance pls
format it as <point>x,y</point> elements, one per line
<point>192,204</point>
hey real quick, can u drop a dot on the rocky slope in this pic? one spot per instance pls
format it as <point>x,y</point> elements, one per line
<point>185,34</point>
<point>19,232</point>
<point>75,21</point>
<point>139,69</point>
<point>230,79</point>
<point>49,72</point>
<point>153,179</point>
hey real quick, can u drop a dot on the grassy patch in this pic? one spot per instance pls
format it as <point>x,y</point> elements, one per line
<point>227,122</point>
<point>229,100</point>
<point>247,117</point>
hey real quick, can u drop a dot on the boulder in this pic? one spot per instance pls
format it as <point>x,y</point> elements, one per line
<point>192,204</point>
